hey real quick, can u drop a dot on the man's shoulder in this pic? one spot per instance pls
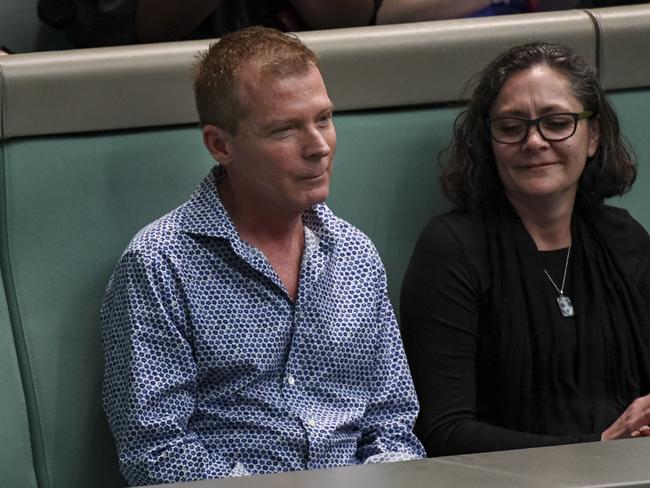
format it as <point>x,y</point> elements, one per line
<point>343,232</point>
<point>201,214</point>
<point>162,236</point>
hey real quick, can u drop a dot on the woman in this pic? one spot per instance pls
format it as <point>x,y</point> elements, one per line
<point>525,311</point>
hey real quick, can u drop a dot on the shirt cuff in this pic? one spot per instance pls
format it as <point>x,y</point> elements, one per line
<point>390,457</point>
<point>238,470</point>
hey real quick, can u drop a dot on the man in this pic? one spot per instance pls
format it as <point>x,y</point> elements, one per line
<point>249,330</point>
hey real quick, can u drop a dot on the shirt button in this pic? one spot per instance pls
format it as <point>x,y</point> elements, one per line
<point>311,423</point>
<point>291,380</point>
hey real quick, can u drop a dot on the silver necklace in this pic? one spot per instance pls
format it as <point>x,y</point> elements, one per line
<point>564,302</point>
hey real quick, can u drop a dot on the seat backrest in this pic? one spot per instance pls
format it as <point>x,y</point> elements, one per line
<point>16,466</point>
<point>624,61</point>
<point>72,205</point>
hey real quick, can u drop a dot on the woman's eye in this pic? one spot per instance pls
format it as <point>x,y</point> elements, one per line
<point>557,123</point>
<point>510,128</point>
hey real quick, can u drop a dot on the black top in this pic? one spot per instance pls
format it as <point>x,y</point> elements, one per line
<point>447,314</point>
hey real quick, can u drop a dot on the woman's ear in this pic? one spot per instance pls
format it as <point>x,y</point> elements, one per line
<point>594,136</point>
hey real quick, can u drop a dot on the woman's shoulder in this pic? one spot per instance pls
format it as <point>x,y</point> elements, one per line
<point>465,226</point>
<point>457,235</point>
<point>624,231</point>
<point>627,238</point>
<point>449,259</point>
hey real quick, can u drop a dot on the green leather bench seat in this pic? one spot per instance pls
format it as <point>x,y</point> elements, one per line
<point>73,203</point>
<point>69,220</point>
<point>633,108</point>
<point>16,466</point>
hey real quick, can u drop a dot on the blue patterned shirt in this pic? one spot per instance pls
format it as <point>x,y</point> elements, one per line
<point>212,370</point>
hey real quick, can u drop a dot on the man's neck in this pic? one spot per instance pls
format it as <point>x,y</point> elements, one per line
<point>278,236</point>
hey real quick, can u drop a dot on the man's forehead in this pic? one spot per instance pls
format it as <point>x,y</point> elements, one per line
<point>261,70</point>
<point>256,84</point>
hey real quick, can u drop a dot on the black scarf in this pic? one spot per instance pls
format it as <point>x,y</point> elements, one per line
<point>612,319</point>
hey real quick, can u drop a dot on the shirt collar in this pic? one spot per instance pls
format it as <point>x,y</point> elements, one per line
<point>204,213</point>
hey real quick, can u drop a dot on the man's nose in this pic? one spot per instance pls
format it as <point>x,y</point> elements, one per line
<point>316,145</point>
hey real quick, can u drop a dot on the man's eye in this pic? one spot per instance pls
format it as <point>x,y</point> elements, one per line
<point>281,131</point>
<point>325,119</point>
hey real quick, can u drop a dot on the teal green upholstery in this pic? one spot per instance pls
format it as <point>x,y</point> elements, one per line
<point>72,205</point>
<point>74,202</point>
<point>68,220</point>
<point>16,467</point>
<point>385,178</point>
<point>633,107</point>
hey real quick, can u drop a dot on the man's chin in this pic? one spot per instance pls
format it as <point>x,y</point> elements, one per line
<point>314,198</point>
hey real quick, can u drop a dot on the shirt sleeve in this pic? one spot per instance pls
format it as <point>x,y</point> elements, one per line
<point>150,376</point>
<point>387,425</point>
<point>440,322</point>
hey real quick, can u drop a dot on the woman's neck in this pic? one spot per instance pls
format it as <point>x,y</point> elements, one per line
<point>547,222</point>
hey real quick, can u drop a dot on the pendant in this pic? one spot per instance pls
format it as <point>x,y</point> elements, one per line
<point>566,307</point>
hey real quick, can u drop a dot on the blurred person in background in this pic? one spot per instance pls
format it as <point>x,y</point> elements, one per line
<point>92,23</point>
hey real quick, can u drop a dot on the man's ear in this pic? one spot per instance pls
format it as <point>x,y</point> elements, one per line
<point>217,142</point>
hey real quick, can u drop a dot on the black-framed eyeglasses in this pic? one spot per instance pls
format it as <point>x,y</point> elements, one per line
<point>552,127</point>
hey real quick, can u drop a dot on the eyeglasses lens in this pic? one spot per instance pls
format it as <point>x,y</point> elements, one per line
<point>553,128</point>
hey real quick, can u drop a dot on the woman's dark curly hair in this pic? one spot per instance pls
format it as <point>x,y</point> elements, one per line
<point>470,178</point>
